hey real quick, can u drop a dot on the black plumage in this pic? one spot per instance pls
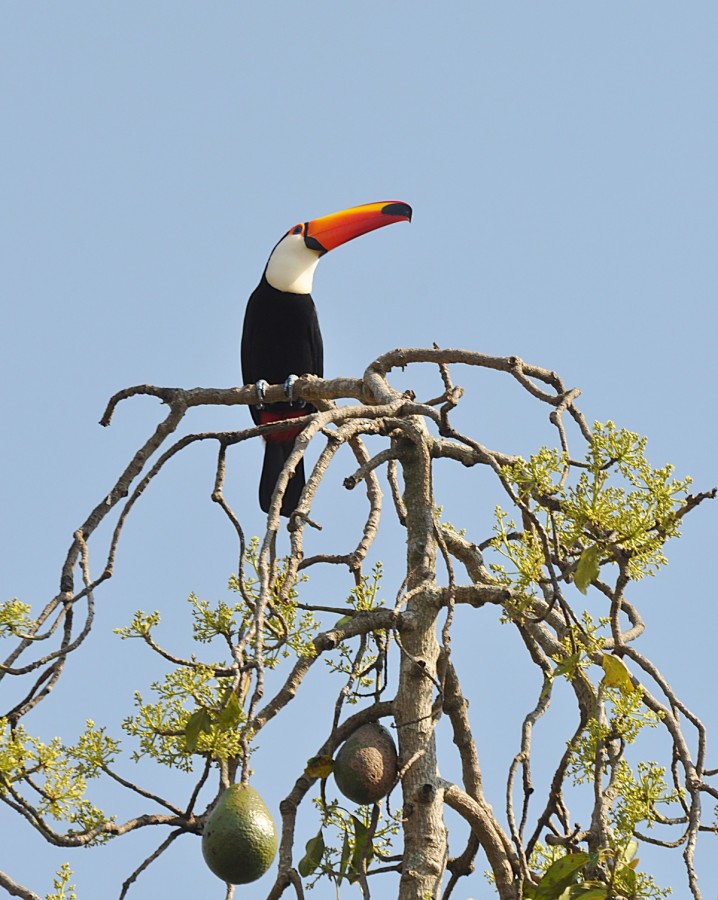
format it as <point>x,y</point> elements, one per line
<point>281,337</point>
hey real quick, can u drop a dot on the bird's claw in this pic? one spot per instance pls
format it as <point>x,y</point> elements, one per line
<point>261,387</point>
<point>289,390</point>
<point>289,387</point>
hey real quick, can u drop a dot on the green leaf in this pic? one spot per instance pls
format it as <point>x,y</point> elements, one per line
<point>560,875</point>
<point>567,665</point>
<point>587,568</point>
<point>231,715</point>
<point>586,891</point>
<point>197,723</point>
<point>314,850</point>
<point>346,856</point>
<point>361,835</point>
<point>628,881</point>
<point>629,852</point>
<point>616,674</point>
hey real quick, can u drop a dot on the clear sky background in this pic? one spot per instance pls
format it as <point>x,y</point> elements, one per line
<point>561,159</point>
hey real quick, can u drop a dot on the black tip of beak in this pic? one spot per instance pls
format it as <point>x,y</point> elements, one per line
<point>397,209</point>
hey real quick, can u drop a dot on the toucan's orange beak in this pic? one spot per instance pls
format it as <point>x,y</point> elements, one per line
<point>328,232</point>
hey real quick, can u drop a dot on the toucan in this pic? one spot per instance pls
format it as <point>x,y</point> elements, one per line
<point>281,339</point>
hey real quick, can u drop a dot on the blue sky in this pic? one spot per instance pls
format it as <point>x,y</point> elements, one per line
<point>561,162</point>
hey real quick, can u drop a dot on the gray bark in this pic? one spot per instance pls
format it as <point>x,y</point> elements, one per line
<point>425,837</point>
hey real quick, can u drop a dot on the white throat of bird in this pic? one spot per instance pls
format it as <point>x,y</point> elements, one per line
<point>291,265</point>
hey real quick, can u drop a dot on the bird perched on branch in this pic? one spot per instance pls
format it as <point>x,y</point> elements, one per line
<point>281,338</point>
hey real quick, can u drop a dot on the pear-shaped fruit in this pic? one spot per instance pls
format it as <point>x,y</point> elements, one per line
<point>239,840</point>
<point>365,767</point>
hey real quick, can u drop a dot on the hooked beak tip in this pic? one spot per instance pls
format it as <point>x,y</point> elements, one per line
<point>398,209</point>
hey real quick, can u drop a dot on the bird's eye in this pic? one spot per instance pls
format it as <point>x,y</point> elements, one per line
<point>297,229</point>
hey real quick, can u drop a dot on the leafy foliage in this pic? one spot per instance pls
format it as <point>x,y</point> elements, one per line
<point>355,839</point>
<point>63,889</point>
<point>56,782</point>
<point>363,667</point>
<point>619,509</point>
<point>167,729</point>
<point>15,618</point>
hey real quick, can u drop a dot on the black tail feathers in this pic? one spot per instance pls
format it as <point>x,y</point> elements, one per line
<point>275,455</point>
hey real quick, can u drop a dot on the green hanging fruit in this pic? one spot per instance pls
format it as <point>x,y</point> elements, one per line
<point>239,842</point>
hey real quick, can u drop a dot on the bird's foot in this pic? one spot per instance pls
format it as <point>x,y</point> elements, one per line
<point>289,390</point>
<point>261,387</point>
